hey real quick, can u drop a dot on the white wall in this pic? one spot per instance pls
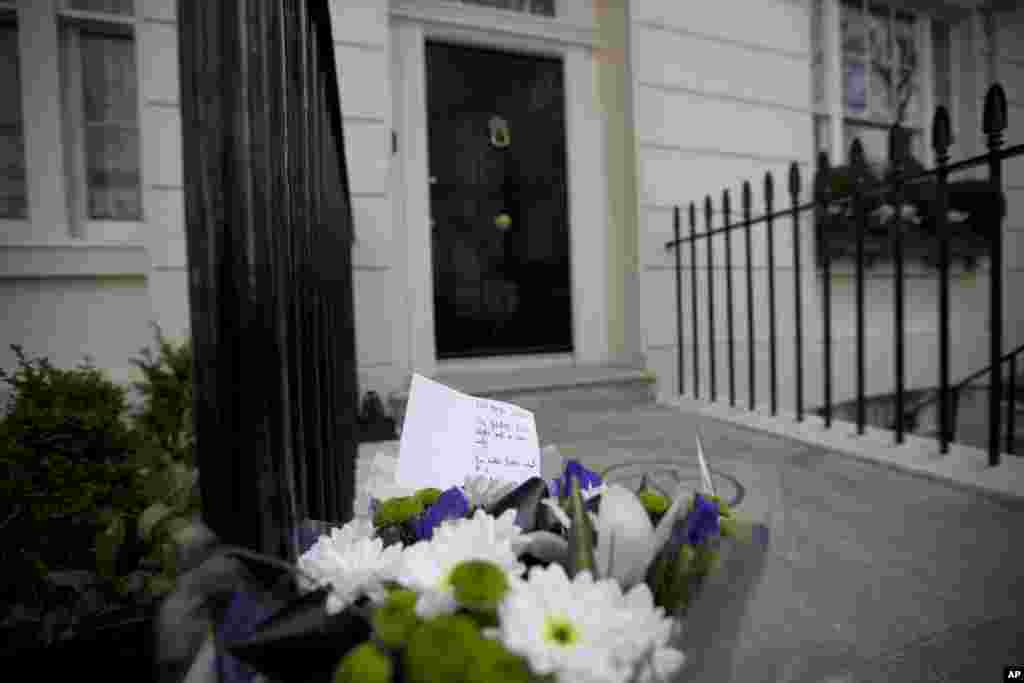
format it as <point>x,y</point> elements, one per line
<point>717,101</point>
<point>1008,64</point>
<point>118,288</point>
<point>721,101</point>
<point>362,52</point>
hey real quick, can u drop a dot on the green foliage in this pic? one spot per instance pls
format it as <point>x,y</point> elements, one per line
<point>88,492</point>
<point>76,413</point>
<point>581,536</point>
<point>166,417</point>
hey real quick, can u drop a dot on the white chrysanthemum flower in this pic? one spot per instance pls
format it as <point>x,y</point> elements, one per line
<point>427,566</point>
<point>352,562</point>
<point>483,491</point>
<point>585,630</point>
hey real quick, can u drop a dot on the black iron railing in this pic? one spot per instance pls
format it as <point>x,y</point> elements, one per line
<point>851,199</point>
<point>1008,365</point>
<point>269,233</point>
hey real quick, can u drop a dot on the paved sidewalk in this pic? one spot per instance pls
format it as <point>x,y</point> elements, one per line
<point>874,574</point>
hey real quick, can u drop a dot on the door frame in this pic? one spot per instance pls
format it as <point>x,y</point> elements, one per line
<point>571,38</point>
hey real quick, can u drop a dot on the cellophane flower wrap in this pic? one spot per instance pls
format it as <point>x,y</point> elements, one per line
<point>566,580</point>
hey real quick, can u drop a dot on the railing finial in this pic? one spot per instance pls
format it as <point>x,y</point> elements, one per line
<point>769,187</point>
<point>693,214</point>
<point>823,161</point>
<point>857,159</point>
<point>746,197</point>
<point>994,120</point>
<point>794,173</point>
<point>896,151</point>
<point>707,209</point>
<point>942,132</point>
<point>726,204</point>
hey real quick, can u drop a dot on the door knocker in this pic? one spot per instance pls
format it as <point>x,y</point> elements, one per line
<point>501,137</point>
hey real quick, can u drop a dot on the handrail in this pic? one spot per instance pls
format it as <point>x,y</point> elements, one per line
<point>959,386</point>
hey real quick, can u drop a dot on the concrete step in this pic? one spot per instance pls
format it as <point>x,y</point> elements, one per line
<point>543,389</point>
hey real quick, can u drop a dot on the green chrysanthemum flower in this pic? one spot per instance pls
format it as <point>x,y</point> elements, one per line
<point>365,664</point>
<point>427,496</point>
<point>492,663</point>
<point>442,650</point>
<point>478,584</point>
<point>395,621</point>
<point>653,502</point>
<point>397,511</point>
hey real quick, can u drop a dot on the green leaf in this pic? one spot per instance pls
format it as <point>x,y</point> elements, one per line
<point>168,529</point>
<point>108,545</point>
<point>159,584</point>
<point>150,517</point>
<point>581,537</point>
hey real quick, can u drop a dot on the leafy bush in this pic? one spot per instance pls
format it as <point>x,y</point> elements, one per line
<point>93,505</point>
<point>166,418</point>
<point>78,413</point>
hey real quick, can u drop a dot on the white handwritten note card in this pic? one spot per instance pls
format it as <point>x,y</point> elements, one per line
<point>448,435</point>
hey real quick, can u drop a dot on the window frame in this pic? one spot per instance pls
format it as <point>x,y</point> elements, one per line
<point>831,116</point>
<point>81,224</point>
<point>9,16</point>
<point>50,185</point>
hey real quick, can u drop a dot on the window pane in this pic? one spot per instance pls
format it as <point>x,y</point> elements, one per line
<point>908,98</point>
<point>13,190</point>
<point>855,96</point>
<point>112,167</point>
<point>881,106</point>
<point>108,78</point>
<point>541,7</point>
<point>875,140</point>
<point>110,6</point>
<point>851,21</point>
<point>878,36</point>
<point>906,41</point>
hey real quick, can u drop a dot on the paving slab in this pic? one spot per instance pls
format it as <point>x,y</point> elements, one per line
<point>873,574</point>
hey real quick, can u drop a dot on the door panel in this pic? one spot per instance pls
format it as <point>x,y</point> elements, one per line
<point>498,197</point>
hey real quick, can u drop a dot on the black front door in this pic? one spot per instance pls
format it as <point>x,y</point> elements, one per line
<point>498,201</point>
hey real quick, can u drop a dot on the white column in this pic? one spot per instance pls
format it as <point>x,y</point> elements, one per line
<point>41,98</point>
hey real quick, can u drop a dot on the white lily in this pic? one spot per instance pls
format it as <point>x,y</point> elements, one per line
<point>627,543</point>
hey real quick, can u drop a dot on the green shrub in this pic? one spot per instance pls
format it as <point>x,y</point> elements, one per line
<point>77,413</point>
<point>166,417</point>
<point>64,456</point>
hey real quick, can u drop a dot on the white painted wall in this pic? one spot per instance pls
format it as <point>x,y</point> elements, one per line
<point>721,101</point>
<point>1007,61</point>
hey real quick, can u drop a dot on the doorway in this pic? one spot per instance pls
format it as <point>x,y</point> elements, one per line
<point>498,202</point>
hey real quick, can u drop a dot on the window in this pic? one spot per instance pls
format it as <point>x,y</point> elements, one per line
<point>885,75</point>
<point>13,189</point>
<point>101,112</point>
<point>544,8</point>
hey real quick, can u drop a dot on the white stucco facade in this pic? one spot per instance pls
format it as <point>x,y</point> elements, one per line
<point>666,101</point>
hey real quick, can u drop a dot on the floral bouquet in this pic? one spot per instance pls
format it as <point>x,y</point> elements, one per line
<point>566,580</point>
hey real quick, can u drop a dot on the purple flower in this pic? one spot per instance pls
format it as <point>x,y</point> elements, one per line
<point>702,521</point>
<point>242,617</point>
<point>452,504</point>
<point>562,486</point>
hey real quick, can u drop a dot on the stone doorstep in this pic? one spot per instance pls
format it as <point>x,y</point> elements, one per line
<point>535,385</point>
